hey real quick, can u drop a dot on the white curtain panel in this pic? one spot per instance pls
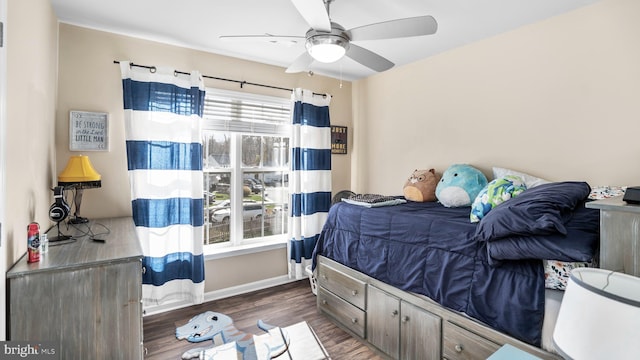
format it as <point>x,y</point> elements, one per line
<point>163,121</point>
<point>310,179</point>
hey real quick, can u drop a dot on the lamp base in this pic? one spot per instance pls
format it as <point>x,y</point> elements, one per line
<point>78,220</point>
<point>60,238</point>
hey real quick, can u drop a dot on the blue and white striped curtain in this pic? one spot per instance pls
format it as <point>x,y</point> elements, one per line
<point>163,127</point>
<point>310,179</point>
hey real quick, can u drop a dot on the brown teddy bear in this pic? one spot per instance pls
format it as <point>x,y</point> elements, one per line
<point>421,186</point>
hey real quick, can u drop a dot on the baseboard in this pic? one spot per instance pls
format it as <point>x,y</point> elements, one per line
<point>222,293</point>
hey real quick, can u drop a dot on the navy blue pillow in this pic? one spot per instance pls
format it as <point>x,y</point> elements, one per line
<point>541,210</point>
<point>580,243</point>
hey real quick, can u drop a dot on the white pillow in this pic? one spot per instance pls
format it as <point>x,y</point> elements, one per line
<point>529,180</point>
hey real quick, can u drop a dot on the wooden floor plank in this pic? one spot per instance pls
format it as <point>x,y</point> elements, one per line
<point>282,306</point>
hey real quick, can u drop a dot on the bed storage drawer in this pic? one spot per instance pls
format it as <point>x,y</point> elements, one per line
<point>343,285</point>
<point>461,344</point>
<point>348,315</point>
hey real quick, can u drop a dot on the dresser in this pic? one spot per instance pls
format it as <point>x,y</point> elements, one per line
<point>619,235</point>
<point>85,296</point>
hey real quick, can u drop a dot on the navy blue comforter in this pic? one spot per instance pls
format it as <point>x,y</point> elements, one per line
<point>436,251</point>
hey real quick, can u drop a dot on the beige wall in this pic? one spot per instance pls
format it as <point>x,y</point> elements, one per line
<point>90,81</point>
<point>233,271</point>
<point>31,40</point>
<point>559,99</point>
<point>29,90</point>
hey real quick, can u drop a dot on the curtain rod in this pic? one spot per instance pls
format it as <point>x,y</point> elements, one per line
<point>241,82</point>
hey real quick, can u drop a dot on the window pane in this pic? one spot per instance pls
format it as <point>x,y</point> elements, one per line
<point>251,150</point>
<point>217,146</point>
<point>277,194</point>
<point>217,207</point>
<point>253,209</point>
<point>276,151</point>
<point>265,209</point>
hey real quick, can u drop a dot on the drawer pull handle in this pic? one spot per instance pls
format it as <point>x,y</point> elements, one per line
<point>394,313</point>
<point>405,319</point>
<point>354,320</point>
<point>324,302</point>
<point>325,277</point>
<point>459,348</point>
<point>354,292</point>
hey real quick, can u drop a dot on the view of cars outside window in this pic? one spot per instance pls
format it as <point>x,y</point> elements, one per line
<point>261,171</point>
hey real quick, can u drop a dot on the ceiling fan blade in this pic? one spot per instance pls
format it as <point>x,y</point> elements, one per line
<point>314,13</point>
<point>415,26</point>
<point>276,39</point>
<point>300,64</point>
<point>368,58</point>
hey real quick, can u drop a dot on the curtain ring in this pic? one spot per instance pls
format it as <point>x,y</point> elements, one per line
<point>152,69</point>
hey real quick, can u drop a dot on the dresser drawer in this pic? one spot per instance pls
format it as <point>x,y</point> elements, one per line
<point>343,285</point>
<point>348,315</point>
<point>461,344</point>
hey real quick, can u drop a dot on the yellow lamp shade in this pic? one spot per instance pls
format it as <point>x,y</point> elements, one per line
<point>79,172</point>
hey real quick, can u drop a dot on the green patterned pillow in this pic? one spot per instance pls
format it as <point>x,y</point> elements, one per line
<point>495,193</point>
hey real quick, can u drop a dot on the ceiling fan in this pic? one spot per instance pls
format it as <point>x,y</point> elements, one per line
<point>328,41</point>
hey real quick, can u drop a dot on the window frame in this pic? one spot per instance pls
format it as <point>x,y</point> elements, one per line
<point>237,244</point>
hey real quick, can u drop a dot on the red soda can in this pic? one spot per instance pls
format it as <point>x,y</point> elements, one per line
<point>33,242</point>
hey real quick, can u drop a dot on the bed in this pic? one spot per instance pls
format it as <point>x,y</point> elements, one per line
<point>491,271</point>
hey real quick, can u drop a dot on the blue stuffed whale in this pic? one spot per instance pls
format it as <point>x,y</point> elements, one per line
<point>459,185</point>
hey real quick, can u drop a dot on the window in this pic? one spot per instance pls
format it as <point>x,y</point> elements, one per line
<point>246,167</point>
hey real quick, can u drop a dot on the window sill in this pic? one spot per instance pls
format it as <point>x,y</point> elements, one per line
<point>230,251</point>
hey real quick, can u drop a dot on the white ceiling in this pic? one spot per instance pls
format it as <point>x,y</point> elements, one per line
<point>198,24</point>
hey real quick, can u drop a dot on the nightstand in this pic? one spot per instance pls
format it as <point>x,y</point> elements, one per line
<point>619,235</point>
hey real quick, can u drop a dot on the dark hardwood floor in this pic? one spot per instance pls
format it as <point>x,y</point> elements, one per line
<point>280,306</point>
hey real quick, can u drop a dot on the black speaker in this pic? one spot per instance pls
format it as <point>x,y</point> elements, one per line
<point>632,195</point>
<point>59,210</point>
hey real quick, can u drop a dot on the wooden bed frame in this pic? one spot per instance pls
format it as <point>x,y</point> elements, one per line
<point>403,325</point>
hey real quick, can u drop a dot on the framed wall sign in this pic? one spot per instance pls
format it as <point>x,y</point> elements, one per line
<point>88,131</point>
<point>338,139</point>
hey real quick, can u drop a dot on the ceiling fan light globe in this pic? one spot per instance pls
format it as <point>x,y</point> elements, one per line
<point>327,47</point>
<point>327,53</point>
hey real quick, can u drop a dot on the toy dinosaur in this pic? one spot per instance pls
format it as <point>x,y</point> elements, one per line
<point>220,329</point>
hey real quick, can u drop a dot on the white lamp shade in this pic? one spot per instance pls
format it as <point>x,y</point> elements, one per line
<point>599,317</point>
